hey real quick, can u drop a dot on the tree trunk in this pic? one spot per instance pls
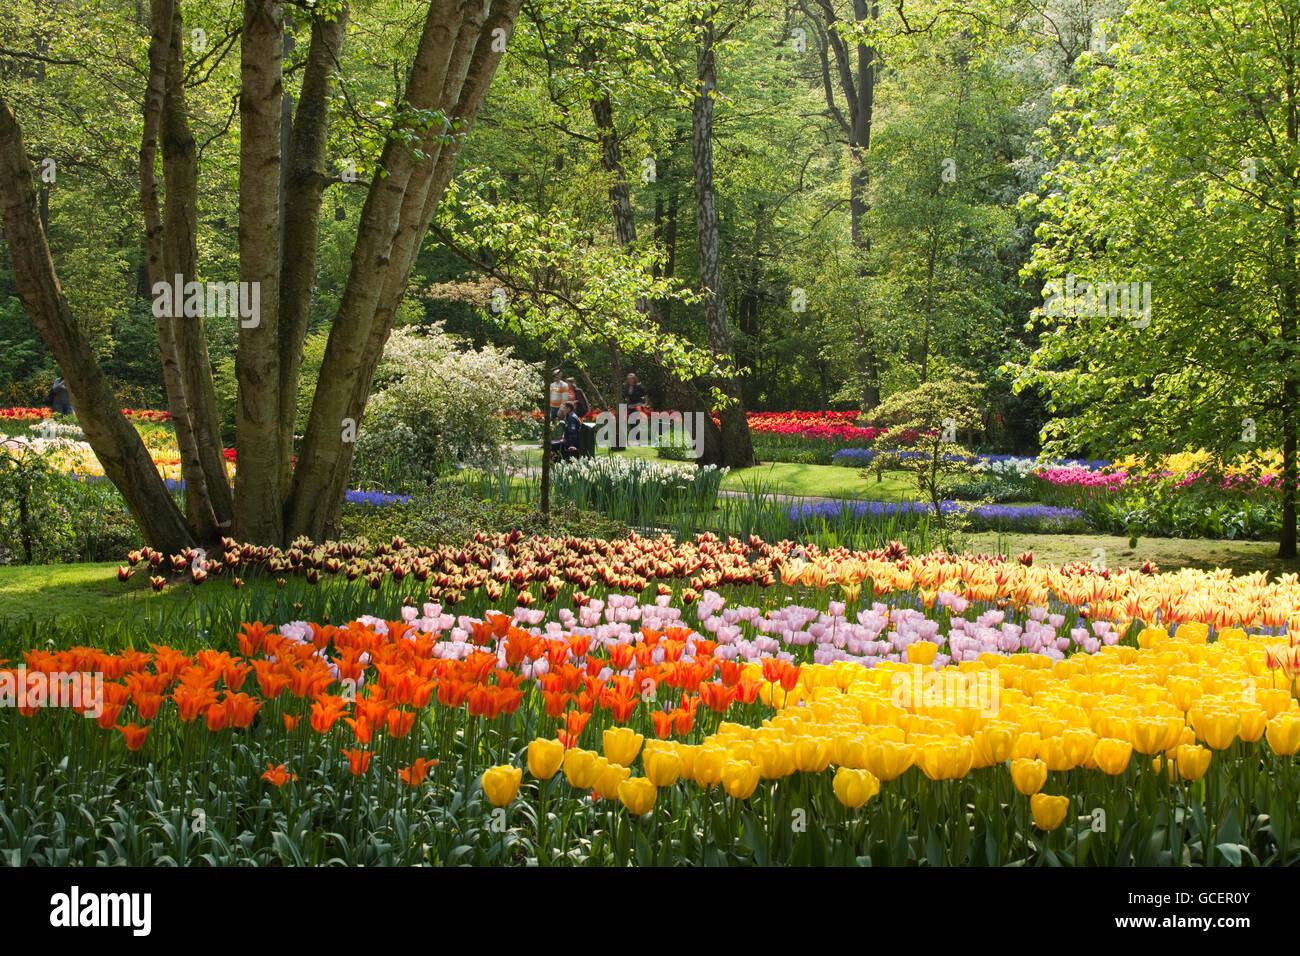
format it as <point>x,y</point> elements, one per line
<point>1290,404</point>
<point>198,505</point>
<point>115,441</point>
<point>305,180</point>
<point>458,55</point>
<point>259,518</point>
<point>180,257</point>
<point>737,450</point>
<point>611,160</point>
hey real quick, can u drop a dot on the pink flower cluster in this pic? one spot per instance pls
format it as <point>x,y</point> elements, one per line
<point>1083,477</point>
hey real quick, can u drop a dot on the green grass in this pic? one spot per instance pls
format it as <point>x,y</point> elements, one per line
<point>787,479</point>
<point>1170,554</point>
<point>820,481</point>
<point>89,590</point>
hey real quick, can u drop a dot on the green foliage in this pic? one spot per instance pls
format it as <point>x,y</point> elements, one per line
<point>1174,174</point>
<point>926,422</point>
<point>448,514</point>
<point>438,405</point>
<point>48,517</point>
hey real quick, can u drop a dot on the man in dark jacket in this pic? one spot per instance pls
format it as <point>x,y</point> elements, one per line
<point>59,401</point>
<point>567,445</point>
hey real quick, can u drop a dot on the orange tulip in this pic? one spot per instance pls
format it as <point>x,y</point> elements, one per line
<point>133,735</point>
<point>277,776</point>
<point>414,775</point>
<point>359,759</point>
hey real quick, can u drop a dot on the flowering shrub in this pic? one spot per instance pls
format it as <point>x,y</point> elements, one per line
<point>439,406</point>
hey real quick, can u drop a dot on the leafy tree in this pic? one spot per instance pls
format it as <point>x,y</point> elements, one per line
<point>1175,168</point>
<point>924,425</point>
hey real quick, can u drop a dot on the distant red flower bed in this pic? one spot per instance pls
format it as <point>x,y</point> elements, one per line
<point>831,426</point>
<point>39,414</point>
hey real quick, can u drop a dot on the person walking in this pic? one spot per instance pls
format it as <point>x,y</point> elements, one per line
<point>579,399</point>
<point>59,400</point>
<point>560,394</point>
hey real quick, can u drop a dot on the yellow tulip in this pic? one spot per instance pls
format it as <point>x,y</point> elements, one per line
<point>998,741</point>
<point>853,788</point>
<point>1052,751</point>
<point>1048,811</point>
<point>922,652</point>
<point>1284,734</point>
<point>609,778</point>
<point>709,762</point>
<point>1079,744</point>
<point>501,784</point>
<point>622,744</point>
<point>774,759</point>
<point>662,766</point>
<point>851,751</point>
<point>1026,747</point>
<point>638,795</point>
<point>1028,775</point>
<point>1253,723</point>
<point>1113,756</point>
<point>1190,762</point>
<point>687,753</point>
<point>739,779</point>
<point>1217,728</point>
<point>1274,700</point>
<point>545,758</point>
<point>946,759</point>
<point>812,754</point>
<point>887,759</point>
<point>581,767</point>
<point>1149,734</point>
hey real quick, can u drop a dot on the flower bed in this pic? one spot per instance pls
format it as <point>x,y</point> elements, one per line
<point>931,709</point>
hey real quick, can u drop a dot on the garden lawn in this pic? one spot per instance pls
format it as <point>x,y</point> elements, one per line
<point>89,590</point>
<point>820,481</point>
<point>786,479</point>
<point>1169,554</point>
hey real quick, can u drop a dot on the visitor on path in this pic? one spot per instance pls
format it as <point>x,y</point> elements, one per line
<point>636,400</point>
<point>579,399</point>
<point>59,401</point>
<point>560,394</point>
<point>567,444</point>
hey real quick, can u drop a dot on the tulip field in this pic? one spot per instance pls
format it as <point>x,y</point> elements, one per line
<point>565,701</point>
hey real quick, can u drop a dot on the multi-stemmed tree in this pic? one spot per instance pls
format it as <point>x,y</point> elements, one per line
<point>460,45</point>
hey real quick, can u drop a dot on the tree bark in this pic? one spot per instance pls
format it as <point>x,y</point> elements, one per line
<point>115,441</point>
<point>180,257</point>
<point>198,505</point>
<point>459,51</point>
<point>858,87</point>
<point>1290,398</point>
<point>736,449</point>
<point>305,181</point>
<point>611,160</point>
<point>259,518</point>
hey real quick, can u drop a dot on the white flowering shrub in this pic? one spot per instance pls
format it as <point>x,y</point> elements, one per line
<point>438,406</point>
